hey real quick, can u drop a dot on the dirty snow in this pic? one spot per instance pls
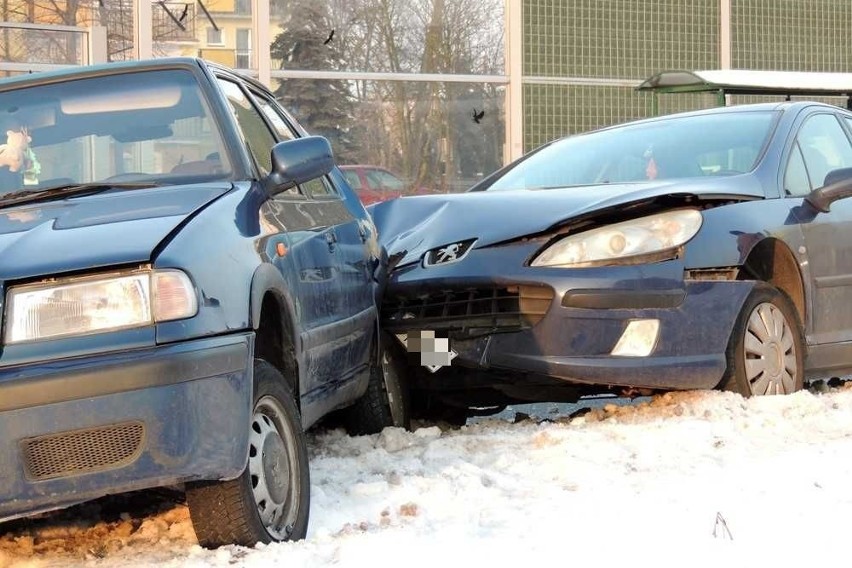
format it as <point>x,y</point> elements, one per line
<point>684,479</point>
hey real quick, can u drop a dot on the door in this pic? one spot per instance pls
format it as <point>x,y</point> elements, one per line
<point>339,347</point>
<point>821,146</point>
<point>299,240</point>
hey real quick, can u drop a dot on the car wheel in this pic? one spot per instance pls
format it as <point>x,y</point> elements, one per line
<point>765,353</point>
<point>269,502</point>
<point>386,401</point>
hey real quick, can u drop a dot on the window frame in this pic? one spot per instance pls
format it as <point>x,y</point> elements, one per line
<point>257,170</point>
<point>333,192</point>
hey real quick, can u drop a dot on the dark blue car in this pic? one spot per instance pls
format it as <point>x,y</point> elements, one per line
<point>187,283</point>
<point>694,251</point>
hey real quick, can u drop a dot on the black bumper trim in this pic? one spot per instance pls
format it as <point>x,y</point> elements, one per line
<point>623,299</point>
<point>113,374</point>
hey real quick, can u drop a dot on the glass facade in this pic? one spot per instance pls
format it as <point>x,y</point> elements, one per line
<point>436,136</point>
<point>395,36</point>
<point>402,82</point>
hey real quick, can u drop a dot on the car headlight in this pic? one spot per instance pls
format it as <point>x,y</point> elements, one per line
<point>623,242</point>
<point>86,305</point>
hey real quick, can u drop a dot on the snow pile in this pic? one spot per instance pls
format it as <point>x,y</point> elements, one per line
<point>695,479</point>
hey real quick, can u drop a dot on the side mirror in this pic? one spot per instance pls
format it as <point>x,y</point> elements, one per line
<point>298,161</point>
<point>838,185</point>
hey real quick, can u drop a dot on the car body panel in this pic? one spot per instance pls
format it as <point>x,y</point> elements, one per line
<point>696,293</point>
<point>60,236</point>
<point>249,256</point>
<point>190,399</point>
<point>420,223</point>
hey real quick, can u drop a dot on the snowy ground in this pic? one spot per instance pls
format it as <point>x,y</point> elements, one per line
<point>688,479</point>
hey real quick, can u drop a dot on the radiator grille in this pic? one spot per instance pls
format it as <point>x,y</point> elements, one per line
<point>514,307</point>
<point>82,451</point>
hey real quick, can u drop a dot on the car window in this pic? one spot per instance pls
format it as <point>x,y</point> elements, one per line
<point>319,187</point>
<point>824,146</point>
<point>257,135</point>
<point>151,126</point>
<point>271,113</point>
<point>352,179</point>
<point>796,177</point>
<point>385,180</point>
<point>712,144</point>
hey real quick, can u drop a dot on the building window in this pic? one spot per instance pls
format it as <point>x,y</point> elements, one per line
<point>242,7</point>
<point>214,37</point>
<point>243,60</point>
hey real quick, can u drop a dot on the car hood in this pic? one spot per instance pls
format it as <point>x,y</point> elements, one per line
<point>417,224</point>
<point>88,232</point>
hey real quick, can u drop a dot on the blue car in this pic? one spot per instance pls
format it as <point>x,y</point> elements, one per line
<point>693,251</point>
<point>187,283</point>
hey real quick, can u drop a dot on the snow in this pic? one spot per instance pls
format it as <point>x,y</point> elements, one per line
<point>683,479</point>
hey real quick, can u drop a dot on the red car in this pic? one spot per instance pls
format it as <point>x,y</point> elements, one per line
<point>373,183</point>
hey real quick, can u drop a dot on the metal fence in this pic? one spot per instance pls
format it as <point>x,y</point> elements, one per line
<point>582,58</point>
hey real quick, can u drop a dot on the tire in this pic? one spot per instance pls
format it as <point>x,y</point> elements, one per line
<point>762,361</point>
<point>386,401</point>
<point>270,501</point>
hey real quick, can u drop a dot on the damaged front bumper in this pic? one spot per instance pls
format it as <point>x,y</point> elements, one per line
<point>642,326</point>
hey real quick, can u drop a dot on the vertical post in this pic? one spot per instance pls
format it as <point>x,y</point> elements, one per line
<point>514,143</point>
<point>261,41</point>
<point>143,29</point>
<point>725,41</point>
<point>97,45</point>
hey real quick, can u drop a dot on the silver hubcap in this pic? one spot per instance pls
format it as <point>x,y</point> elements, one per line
<point>770,352</point>
<point>271,464</point>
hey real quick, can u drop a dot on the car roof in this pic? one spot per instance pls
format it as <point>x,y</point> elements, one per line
<point>784,106</point>
<point>79,72</point>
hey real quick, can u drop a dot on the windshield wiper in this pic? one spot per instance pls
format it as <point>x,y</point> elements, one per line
<point>67,190</point>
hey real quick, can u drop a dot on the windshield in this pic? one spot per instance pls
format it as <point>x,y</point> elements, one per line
<point>149,127</point>
<point>683,147</point>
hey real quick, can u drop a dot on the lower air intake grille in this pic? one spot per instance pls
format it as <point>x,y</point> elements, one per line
<point>82,451</point>
<point>513,307</point>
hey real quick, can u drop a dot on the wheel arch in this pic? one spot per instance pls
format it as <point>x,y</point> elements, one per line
<point>772,261</point>
<point>273,319</point>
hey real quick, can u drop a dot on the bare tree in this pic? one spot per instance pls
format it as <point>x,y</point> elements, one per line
<point>418,128</point>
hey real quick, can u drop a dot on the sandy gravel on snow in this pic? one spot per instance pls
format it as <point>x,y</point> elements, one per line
<point>687,471</point>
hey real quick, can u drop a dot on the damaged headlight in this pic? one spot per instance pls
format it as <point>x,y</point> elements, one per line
<point>623,242</point>
<point>85,305</point>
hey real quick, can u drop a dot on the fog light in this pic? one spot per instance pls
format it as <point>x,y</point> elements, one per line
<point>639,339</point>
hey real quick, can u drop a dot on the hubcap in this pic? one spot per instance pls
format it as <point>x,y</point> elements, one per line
<point>770,352</point>
<point>271,464</point>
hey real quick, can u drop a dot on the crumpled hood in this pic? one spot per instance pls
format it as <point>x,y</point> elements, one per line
<point>421,223</point>
<point>107,229</point>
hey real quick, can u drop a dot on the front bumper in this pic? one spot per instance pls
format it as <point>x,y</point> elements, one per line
<point>77,429</point>
<point>588,313</point>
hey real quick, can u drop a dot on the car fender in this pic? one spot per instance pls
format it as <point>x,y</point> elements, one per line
<point>267,278</point>
<point>730,232</point>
